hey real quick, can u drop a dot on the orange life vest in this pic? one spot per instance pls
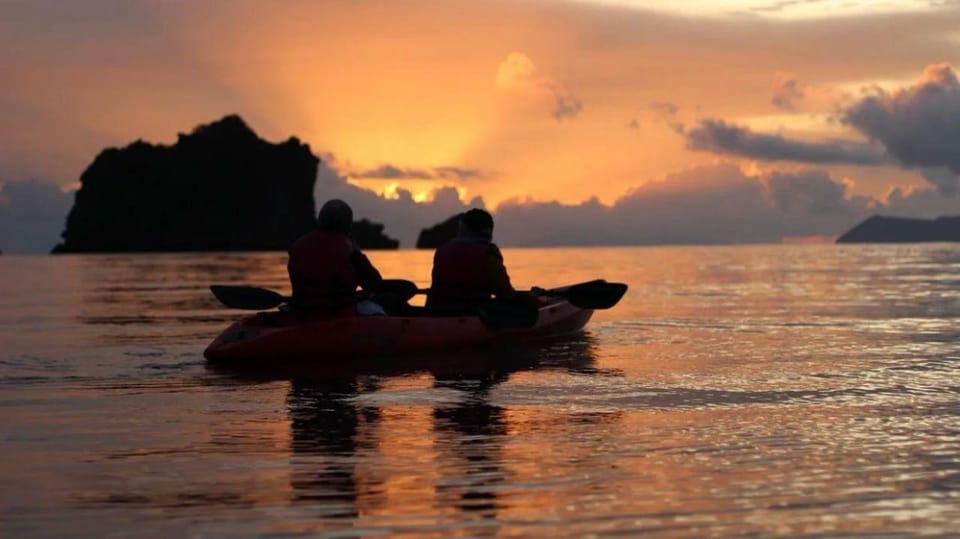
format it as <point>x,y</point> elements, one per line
<point>321,271</point>
<point>460,279</point>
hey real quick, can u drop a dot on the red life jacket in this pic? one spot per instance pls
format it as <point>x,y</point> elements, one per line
<point>460,279</point>
<point>321,271</point>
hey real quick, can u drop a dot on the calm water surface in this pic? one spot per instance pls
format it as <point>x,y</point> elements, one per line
<point>772,391</point>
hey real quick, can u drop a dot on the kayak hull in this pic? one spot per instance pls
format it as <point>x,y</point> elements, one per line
<point>290,336</point>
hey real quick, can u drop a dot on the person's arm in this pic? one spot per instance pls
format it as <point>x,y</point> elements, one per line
<point>497,274</point>
<point>367,275</point>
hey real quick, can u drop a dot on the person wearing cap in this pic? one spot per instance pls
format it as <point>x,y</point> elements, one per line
<point>326,267</point>
<point>469,271</point>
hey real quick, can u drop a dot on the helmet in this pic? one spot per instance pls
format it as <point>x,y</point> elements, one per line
<point>335,215</point>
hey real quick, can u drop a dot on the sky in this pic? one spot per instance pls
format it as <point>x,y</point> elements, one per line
<point>576,122</point>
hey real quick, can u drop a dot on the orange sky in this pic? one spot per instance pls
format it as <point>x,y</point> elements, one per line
<point>426,84</point>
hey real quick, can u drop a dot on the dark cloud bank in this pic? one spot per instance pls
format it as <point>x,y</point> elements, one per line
<point>916,127</point>
<point>393,172</point>
<point>32,215</point>
<point>714,204</point>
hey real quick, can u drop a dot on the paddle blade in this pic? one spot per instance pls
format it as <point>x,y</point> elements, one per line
<point>594,294</point>
<point>403,289</point>
<point>247,297</point>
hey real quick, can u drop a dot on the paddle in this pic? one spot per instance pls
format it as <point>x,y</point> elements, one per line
<point>247,297</point>
<point>597,294</point>
<point>259,299</point>
<point>523,312</point>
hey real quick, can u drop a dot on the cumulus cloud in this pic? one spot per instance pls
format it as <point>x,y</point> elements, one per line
<point>714,204</point>
<point>719,136</point>
<point>392,172</point>
<point>402,216</point>
<point>919,125</point>
<point>32,215</point>
<point>786,90</point>
<point>518,72</point>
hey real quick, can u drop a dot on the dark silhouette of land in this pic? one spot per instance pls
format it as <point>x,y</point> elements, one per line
<point>369,235</point>
<point>219,188</point>
<point>879,229</point>
<point>438,234</point>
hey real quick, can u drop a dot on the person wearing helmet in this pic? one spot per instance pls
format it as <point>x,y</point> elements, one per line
<point>326,267</point>
<point>469,271</point>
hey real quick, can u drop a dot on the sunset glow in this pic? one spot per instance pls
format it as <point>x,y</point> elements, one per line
<point>541,101</point>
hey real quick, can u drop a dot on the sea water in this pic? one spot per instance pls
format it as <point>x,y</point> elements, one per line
<point>761,390</point>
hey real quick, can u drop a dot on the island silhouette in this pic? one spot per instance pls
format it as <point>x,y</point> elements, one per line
<point>440,233</point>
<point>880,229</point>
<point>219,188</point>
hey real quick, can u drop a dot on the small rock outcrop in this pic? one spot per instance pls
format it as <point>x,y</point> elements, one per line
<point>879,229</point>
<point>369,235</point>
<point>220,187</point>
<point>437,235</point>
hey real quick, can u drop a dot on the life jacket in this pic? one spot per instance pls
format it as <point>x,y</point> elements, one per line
<point>460,279</point>
<point>321,271</point>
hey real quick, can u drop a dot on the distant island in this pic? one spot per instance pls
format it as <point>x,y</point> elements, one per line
<point>437,235</point>
<point>369,235</point>
<point>879,229</point>
<point>219,188</point>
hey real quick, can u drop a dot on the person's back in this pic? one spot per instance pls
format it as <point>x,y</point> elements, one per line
<point>468,271</point>
<point>325,267</point>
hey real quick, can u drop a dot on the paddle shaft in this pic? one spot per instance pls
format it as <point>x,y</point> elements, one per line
<point>596,294</point>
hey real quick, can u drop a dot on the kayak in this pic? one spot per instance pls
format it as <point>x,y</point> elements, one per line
<point>281,335</point>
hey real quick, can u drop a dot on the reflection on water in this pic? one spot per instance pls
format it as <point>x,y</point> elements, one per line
<point>337,436</point>
<point>325,430</point>
<point>771,391</point>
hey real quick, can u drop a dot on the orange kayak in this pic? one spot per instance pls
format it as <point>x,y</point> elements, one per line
<point>292,336</point>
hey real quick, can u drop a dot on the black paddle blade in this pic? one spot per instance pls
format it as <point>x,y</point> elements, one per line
<point>403,289</point>
<point>597,294</point>
<point>247,297</point>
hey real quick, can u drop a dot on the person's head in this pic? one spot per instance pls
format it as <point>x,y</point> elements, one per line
<point>335,216</point>
<point>476,223</point>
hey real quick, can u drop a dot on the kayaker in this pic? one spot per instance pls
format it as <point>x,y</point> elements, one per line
<point>326,266</point>
<point>469,271</point>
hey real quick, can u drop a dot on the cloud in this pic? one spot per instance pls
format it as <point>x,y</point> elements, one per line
<point>783,5</point>
<point>518,72</point>
<point>32,215</point>
<point>919,125</point>
<point>713,204</point>
<point>392,172</point>
<point>566,106</point>
<point>664,108</point>
<point>718,136</point>
<point>667,113</point>
<point>459,173</point>
<point>786,90</point>
<point>402,216</point>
